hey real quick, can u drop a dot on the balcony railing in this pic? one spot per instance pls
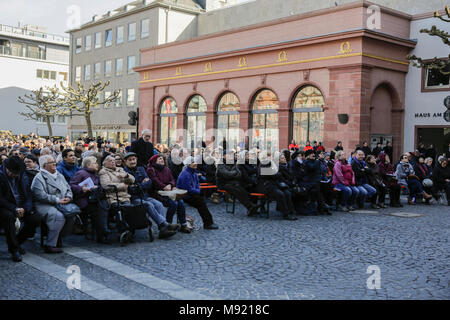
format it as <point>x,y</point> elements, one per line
<point>36,34</point>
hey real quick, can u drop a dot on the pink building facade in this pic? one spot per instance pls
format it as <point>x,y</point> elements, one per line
<point>321,76</point>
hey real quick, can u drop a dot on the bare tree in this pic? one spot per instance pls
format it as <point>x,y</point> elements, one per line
<point>83,99</point>
<point>43,104</point>
<point>443,65</point>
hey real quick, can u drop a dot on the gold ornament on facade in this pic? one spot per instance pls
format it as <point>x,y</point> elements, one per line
<point>179,71</point>
<point>346,48</point>
<point>282,56</point>
<point>208,67</point>
<point>242,62</point>
<point>146,77</point>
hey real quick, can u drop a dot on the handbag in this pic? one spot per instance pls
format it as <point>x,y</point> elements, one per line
<point>69,210</point>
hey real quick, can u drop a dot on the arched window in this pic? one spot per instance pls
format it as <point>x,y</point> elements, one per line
<point>265,120</point>
<point>307,119</point>
<point>196,121</point>
<point>228,119</point>
<point>168,122</point>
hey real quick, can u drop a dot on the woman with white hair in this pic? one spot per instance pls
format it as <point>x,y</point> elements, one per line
<point>188,180</point>
<point>51,189</point>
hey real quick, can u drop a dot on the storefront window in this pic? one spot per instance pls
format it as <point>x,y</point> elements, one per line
<point>265,121</point>
<point>228,120</point>
<point>308,116</point>
<point>196,121</point>
<point>168,122</point>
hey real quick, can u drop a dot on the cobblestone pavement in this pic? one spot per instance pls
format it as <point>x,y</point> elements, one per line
<point>318,257</point>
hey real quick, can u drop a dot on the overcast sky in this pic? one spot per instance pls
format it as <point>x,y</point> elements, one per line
<point>53,14</point>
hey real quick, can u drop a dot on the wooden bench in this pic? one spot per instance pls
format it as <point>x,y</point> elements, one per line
<point>227,204</point>
<point>261,199</point>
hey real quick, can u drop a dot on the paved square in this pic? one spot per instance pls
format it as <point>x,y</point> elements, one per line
<point>318,257</point>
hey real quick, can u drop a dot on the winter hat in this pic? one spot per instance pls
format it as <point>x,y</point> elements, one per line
<point>188,160</point>
<point>308,152</point>
<point>154,158</point>
<point>14,164</point>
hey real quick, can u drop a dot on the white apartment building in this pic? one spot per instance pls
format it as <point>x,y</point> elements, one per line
<point>427,118</point>
<point>30,58</point>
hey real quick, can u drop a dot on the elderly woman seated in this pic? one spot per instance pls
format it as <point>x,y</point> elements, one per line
<point>51,191</point>
<point>112,175</point>
<point>86,199</point>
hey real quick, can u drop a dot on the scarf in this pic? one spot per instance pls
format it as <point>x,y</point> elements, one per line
<point>53,175</point>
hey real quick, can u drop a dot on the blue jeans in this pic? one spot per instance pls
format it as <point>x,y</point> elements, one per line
<point>155,210</point>
<point>366,191</point>
<point>415,187</point>
<point>174,207</point>
<point>349,194</point>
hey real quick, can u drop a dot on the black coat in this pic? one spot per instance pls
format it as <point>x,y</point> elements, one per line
<point>389,151</point>
<point>174,168</point>
<point>366,151</point>
<point>7,199</point>
<point>360,172</point>
<point>297,171</point>
<point>144,151</point>
<point>439,176</point>
<point>227,173</point>
<point>313,171</point>
<point>249,178</point>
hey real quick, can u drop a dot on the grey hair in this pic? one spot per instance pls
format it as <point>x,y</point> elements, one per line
<point>88,161</point>
<point>108,158</point>
<point>45,151</point>
<point>428,159</point>
<point>44,159</point>
<point>146,131</point>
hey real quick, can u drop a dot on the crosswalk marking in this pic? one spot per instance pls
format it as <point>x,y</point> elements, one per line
<point>88,286</point>
<point>167,287</point>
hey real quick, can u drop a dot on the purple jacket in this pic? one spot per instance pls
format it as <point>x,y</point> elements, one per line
<point>160,178</point>
<point>80,198</point>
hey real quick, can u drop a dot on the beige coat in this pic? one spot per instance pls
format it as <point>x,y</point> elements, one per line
<point>118,178</point>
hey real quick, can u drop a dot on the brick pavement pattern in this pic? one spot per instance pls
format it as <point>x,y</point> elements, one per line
<point>317,257</point>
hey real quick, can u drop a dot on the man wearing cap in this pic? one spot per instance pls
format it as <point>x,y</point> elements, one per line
<point>188,180</point>
<point>155,208</point>
<point>16,202</point>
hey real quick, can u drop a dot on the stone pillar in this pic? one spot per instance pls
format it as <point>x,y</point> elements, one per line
<point>283,125</point>
<point>244,123</point>
<point>349,94</point>
<point>146,110</point>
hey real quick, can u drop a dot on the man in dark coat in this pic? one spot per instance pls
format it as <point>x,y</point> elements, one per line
<point>143,148</point>
<point>376,151</point>
<point>366,148</point>
<point>16,202</point>
<point>388,150</point>
<point>441,177</point>
<point>228,177</point>
<point>313,176</point>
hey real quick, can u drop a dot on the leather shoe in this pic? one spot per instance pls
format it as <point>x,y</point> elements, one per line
<point>16,257</point>
<point>49,249</point>
<point>185,229</point>
<point>212,226</point>
<point>290,217</point>
<point>166,233</point>
<point>21,250</point>
<point>173,227</point>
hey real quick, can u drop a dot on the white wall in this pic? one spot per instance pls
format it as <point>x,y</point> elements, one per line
<point>17,77</point>
<point>417,102</point>
<point>181,26</point>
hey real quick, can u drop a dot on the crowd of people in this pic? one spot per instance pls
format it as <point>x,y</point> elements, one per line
<point>50,183</point>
